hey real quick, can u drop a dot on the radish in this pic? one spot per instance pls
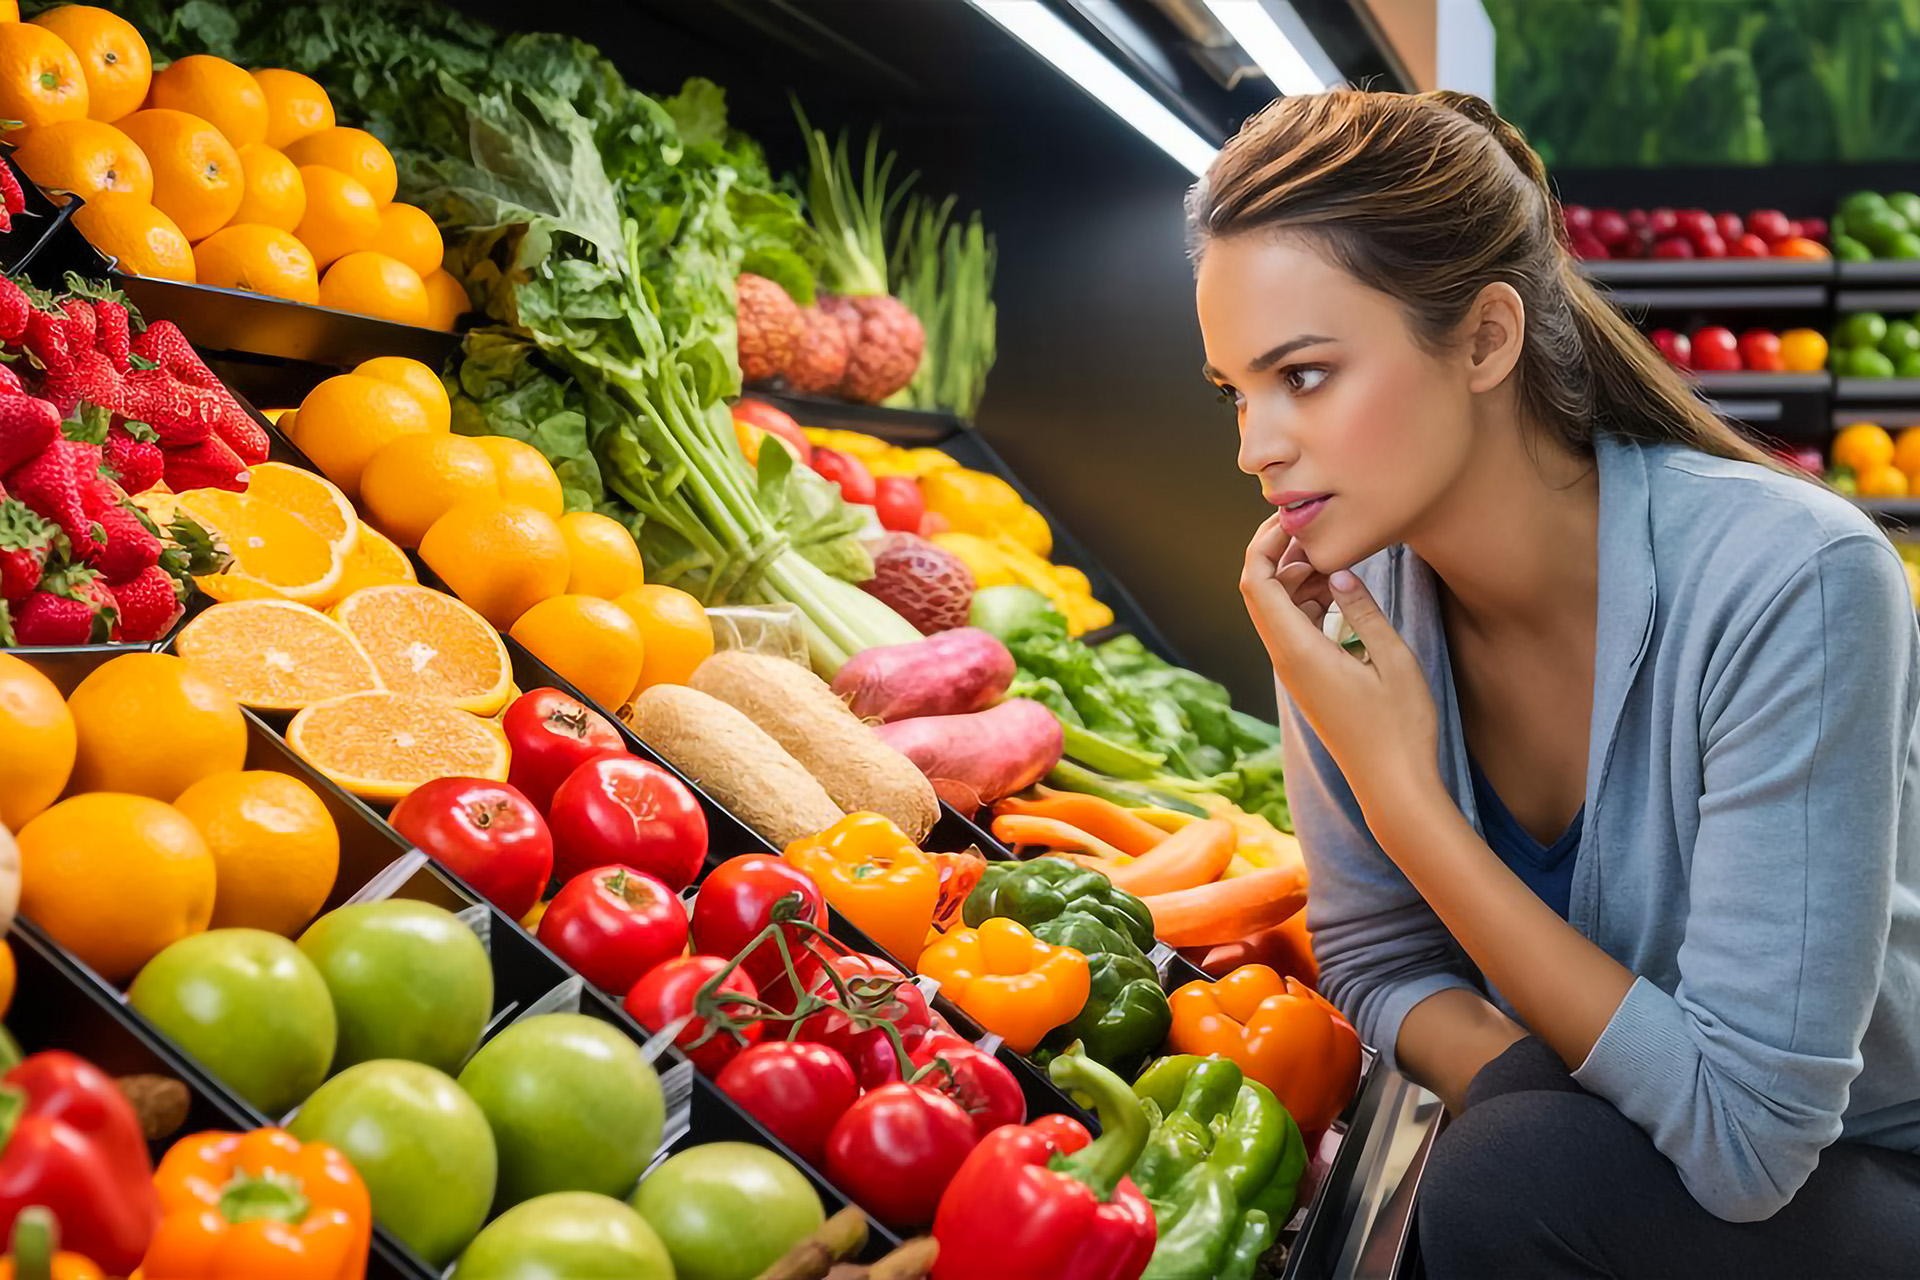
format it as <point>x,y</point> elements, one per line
<point>951,673</point>
<point>979,759</point>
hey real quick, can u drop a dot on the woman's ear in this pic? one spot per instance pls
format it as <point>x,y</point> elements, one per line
<point>1496,329</point>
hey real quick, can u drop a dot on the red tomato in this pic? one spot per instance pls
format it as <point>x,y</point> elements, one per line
<point>869,1050</point>
<point>1694,223</point>
<point>1676,347</point>
<point>621,810</point>
<point>978,1081</point>
<point>486,833</point>
<point>1068,1134</point>
<point>932,523</point>
<point>550,736</point>
<point>1730,227</point>
<point>1710,244</point>
<point>896,1149</point>
<point>1760,351</point>
<point>1769,224</point>
<point>797,1090</point>
<point>900,503</point>
<point>736,903</point>
<point>1716,349</point>
<point>1577,217</point>
<point>615,925</point>
<point>758,413</point>
<point>847,471</point>
<point>1749,246</point>
<point>667,994</point>
<point>1609,228</point>
<point>1814,229</point>
<point>1663,223</point>
<point>1673,247</point>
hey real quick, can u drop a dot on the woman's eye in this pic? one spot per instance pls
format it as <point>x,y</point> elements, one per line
<point>1301,379</point>
<point>1229,395</point>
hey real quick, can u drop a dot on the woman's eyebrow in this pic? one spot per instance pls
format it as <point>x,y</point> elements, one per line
<point>1271,358</point>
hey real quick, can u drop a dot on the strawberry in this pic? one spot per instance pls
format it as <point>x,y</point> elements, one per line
<point>133,454</point>
<point>15,307</point>
<point>243,434</point>
<point>45,338</point>
<point>157,398</point>
<point>26,543</point>
<point>132,547</point>
<point>27,427</point>
<point>114,332</point>
<point>12,198</point>
<point>164,344</point>
<point>59,484</point>
<point>92,380</point>
<point>72,606</point>
<point>207,465</point>
<point>147,606</point>
<point>82,326</point>
<point>10,384</point>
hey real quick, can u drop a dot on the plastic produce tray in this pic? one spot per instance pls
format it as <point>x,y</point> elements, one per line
<point>34,227</point>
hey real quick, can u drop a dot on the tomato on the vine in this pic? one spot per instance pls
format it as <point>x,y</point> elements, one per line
<point>667,994</point>
<point>869,1049</point>
<point>736,903</point>
<point>978,1081</point>
<point>896,1149</point>
<point>797,1090</point>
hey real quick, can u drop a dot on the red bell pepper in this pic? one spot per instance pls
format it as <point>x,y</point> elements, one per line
<point>70,1140</point>
<point>1035,1202</point>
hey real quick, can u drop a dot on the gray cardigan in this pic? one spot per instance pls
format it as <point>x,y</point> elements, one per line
<point>1752,841</point>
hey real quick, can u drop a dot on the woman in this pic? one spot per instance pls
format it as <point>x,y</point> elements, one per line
<point>1613,827</point>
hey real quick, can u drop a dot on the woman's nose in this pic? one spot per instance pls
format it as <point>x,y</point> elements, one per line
<point>1263,442</point>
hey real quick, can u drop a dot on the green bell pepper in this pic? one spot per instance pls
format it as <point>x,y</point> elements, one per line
<point>1126,1016</point>
<point>1033,893</point>
<point>1222,1167</point>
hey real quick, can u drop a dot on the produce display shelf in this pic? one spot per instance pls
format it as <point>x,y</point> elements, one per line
<point>1877,391</point>
<point>1901,512</point>
<point>1763,384</point>
<point>1716,272</point>
<point>34,227</point>
<point>1786,297</point>
<point>1848,301</point>
<point>909,428</point>
<point>1881,273</point>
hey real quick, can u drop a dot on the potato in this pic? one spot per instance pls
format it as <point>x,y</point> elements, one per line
<point>735,762</point>
<point>860,772</point>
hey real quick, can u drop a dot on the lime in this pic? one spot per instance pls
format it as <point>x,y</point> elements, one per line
<point>1909,366</point>
<point>1862,329</point>
<point>1902,338</point>
<point>1907,205</point>
<point>1877,229</point>
<point>1847,249</point>
<point>1840,361</point>
<point>1905,246</point>
<point>1863,203</point>
<point>1871,364</point>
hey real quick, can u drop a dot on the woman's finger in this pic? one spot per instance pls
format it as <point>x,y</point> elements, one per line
<point>1361,612</point>
<point>1284,626</point>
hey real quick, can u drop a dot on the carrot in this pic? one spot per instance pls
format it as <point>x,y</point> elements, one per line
<point>1050,833</point>
<point>1192,856</point>
<point>1099,818</point>
<point>1228,910</point>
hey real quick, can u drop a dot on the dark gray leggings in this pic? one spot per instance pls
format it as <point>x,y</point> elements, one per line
<point>1539,1178</point>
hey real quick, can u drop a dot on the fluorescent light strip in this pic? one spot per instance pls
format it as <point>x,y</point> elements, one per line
<point>1254,29</point>
<point>1044,32</point>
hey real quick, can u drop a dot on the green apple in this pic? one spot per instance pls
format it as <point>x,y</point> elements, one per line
<point>249,1006</point>
<point>420,1144</point>
<point>1909,366</point>
<point>409,980</point>
<point>1871,364</point>
<point>1861,330</point>
<point>569,1235</point>
<point>728,1210</point>
<point>573,1104</point>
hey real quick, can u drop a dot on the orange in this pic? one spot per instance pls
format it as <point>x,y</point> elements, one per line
<point>218,92</point>
<point>344,421</point>
<point>151,725</point>
<point>417,378</point>
<point>410,235</point>
<point>373,562</point>
<point>314,500</point>
<point>1906,452</point>
<point>372,284</point>
<point>258,259</point>
<point>115,879</point>
<point>144,240</point>
<point>341,216</point>
<point>354,152</point>
<point>1886,481</point>
<point>196,172</point>
<point>380,746</point>
<point>674,627</point>
<point>604,560</point>
<point>1803,350</point>
<point>37,742</point>
<point>589,642</point>
<point>9,10</point>
<point>41,80</point>
<point>525,474</point>
<point>9,978</point>
<point>114,59</point>
<point>446,300</point>
<point>500,557</point>
<point>427,644</point>
<point>85,157</point>
<point>274,845</point>
<point>296,105</point>
<point>1863,447</point>
<point>274,655</point>
<point>272,193</point>
<point>413,481</point>
<point>269,544</point>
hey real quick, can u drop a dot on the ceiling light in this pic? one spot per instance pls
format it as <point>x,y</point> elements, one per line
<point>1277,53</point>
<point>1044,32</point>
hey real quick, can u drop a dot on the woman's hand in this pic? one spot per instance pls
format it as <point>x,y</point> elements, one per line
<point>1374,713</point>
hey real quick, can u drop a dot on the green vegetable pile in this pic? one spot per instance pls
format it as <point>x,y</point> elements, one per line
<point>1130,716</point>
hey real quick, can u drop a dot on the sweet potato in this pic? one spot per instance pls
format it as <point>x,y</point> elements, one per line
<point>978,759</point>
<point>952,673</point>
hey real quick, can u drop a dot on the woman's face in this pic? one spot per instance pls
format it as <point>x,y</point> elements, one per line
<point>1355,430</point>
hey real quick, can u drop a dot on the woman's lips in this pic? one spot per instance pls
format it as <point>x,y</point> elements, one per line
<point>1298,510</point>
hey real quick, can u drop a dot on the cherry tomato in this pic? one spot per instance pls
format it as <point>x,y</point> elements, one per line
<point>978,1081</point>
<point>617,809</point>
<point>760,414</point>
<point>486,833</point>
<point>798,1091</point>
<point>896,1149</point>
<point>615,925</point>
<point>847,471</point>
<point>736,903</point>
<point>1715,349</point>
<point>1770,225</point>
<point>869,1051</point>
<point>550,736</point>
<point>1760,351</point>
<point>899,502</point>
<point>667,993</point>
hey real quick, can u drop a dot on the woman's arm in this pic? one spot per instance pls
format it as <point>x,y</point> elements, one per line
<point>1448,1037</point>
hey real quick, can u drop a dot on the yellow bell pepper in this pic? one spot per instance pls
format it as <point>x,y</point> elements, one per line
<point>876,877</point>
<point>1029,528</point>
<point>1009,981</point>
<point>988,566</point>
<point>974,501</point>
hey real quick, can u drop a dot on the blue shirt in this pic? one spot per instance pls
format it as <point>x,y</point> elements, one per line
<point>1751,843</point>
<point>1547,869</point>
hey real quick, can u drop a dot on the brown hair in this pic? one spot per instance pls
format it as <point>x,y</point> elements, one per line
<point>1429,198</point>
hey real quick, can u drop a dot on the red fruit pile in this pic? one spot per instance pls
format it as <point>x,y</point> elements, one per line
<point>1598,234</point>
<point>1714,349</point>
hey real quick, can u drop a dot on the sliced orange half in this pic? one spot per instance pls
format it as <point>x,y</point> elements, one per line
<point>374,561</point>
<point>275,655</point>
<point>314,499</point>
<point>380,746</point>
<point>426,643</point>
<point>269,545</point>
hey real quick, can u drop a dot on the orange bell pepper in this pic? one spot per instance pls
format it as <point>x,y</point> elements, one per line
<point>258,1206</point>
<point>875,877</point>
<point>1009,981</point>
<point>1279,1032</point>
